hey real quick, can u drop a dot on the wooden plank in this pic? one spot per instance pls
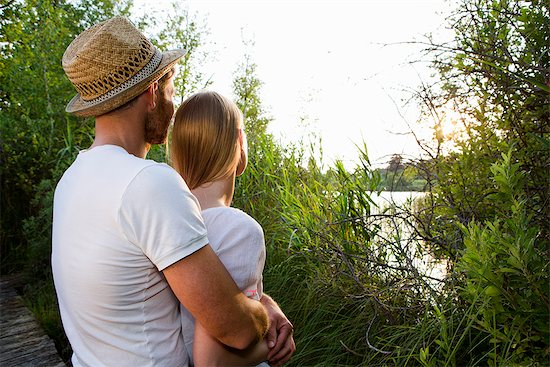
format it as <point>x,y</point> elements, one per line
<point>23,343</point>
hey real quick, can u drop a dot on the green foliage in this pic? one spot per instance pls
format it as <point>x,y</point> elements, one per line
<point>181,29</point>
<point>310,239</point>
<point>495,74</point>
<point>507,276</point>
<point>487,210</point>
<point>493,309</point>
<point>246,86</point>
<point>38,230</point>
<point>346,284</point>
<point>34,126</point>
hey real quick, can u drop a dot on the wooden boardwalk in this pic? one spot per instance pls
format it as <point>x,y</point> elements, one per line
<point>23,343</point>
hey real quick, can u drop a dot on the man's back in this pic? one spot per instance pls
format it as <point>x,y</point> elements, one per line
<point>108,245</point>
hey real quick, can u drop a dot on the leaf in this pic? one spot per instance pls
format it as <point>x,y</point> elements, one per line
<point>492,291</point>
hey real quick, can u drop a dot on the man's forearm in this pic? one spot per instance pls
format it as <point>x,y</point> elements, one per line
<point>207,351</point>
<point>230,316</point>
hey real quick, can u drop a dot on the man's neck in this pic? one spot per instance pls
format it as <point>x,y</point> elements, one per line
<point>138,150</point>
<point>125,130</point>
<point>215,194</point>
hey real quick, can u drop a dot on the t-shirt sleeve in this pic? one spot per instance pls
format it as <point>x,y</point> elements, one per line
<point>242,251</point>
<point>159,214</point>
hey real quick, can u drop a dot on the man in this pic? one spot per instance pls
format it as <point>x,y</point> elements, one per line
<point>128,239</point>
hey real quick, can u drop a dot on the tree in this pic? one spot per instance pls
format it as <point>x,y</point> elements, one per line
<point>263,154</point>
<point>246,87</point>
<point>395,163</point>
<point>487,212</point>
<point>183,30</point>
<point>496,74</point>
<point>37,134</point>
<point>180,29</point>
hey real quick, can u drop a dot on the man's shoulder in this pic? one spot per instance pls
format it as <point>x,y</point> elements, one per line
<point>128,164</point>
<point>155,179</point>
<point>121,169</point>
<point>111,157</point>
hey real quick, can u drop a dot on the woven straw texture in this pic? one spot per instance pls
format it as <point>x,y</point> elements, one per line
<point>104,61</point>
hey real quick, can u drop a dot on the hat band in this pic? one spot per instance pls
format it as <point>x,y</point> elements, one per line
<point>143,74</point>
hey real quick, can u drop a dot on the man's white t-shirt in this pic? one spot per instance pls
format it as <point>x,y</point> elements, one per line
<point>118,221</point>
<point>238,240</point>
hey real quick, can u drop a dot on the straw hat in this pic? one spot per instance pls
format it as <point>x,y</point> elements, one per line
<point>111,63</point>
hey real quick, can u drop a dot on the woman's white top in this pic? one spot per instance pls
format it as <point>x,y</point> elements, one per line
<point>238,240</point>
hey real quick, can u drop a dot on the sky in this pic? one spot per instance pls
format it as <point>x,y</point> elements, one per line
<point>338,70</point>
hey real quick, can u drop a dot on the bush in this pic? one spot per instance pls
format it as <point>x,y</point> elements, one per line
<point>494,308</point>
<point>506,276</point>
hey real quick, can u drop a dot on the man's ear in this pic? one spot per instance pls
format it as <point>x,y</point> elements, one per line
<point>152,95</point>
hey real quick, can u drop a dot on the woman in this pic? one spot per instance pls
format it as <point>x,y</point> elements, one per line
<point>209,150</point>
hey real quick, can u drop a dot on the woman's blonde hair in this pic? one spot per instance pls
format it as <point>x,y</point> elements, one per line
<point>205,138</point>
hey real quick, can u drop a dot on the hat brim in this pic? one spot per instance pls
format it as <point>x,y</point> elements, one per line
<point>77,106</point>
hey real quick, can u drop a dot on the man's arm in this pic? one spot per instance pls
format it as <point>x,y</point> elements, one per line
<point>280,334</point>
<point>208,352</point>
<point>206,289</point>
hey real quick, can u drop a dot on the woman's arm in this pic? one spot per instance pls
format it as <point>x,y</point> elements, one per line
<point>208,352</point>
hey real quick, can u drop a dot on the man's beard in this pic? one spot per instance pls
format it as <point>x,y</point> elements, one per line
<point>158,122</point>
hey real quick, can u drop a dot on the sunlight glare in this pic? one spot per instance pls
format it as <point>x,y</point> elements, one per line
<point>450,125</point>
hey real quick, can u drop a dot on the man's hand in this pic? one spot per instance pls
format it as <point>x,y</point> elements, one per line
<point>279,337</point>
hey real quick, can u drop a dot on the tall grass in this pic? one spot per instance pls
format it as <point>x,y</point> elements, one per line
<point>337,275</point>
<point>353,281</point>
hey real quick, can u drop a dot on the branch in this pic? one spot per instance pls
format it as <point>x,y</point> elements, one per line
<point>7,5</point>
<point>368,342</point>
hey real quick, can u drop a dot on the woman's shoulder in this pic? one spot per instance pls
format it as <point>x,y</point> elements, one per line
<point>229,213</point>
<point>231,217</point>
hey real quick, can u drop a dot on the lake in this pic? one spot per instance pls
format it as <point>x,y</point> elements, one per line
<point>387,198</point>
<point>399,230</point>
